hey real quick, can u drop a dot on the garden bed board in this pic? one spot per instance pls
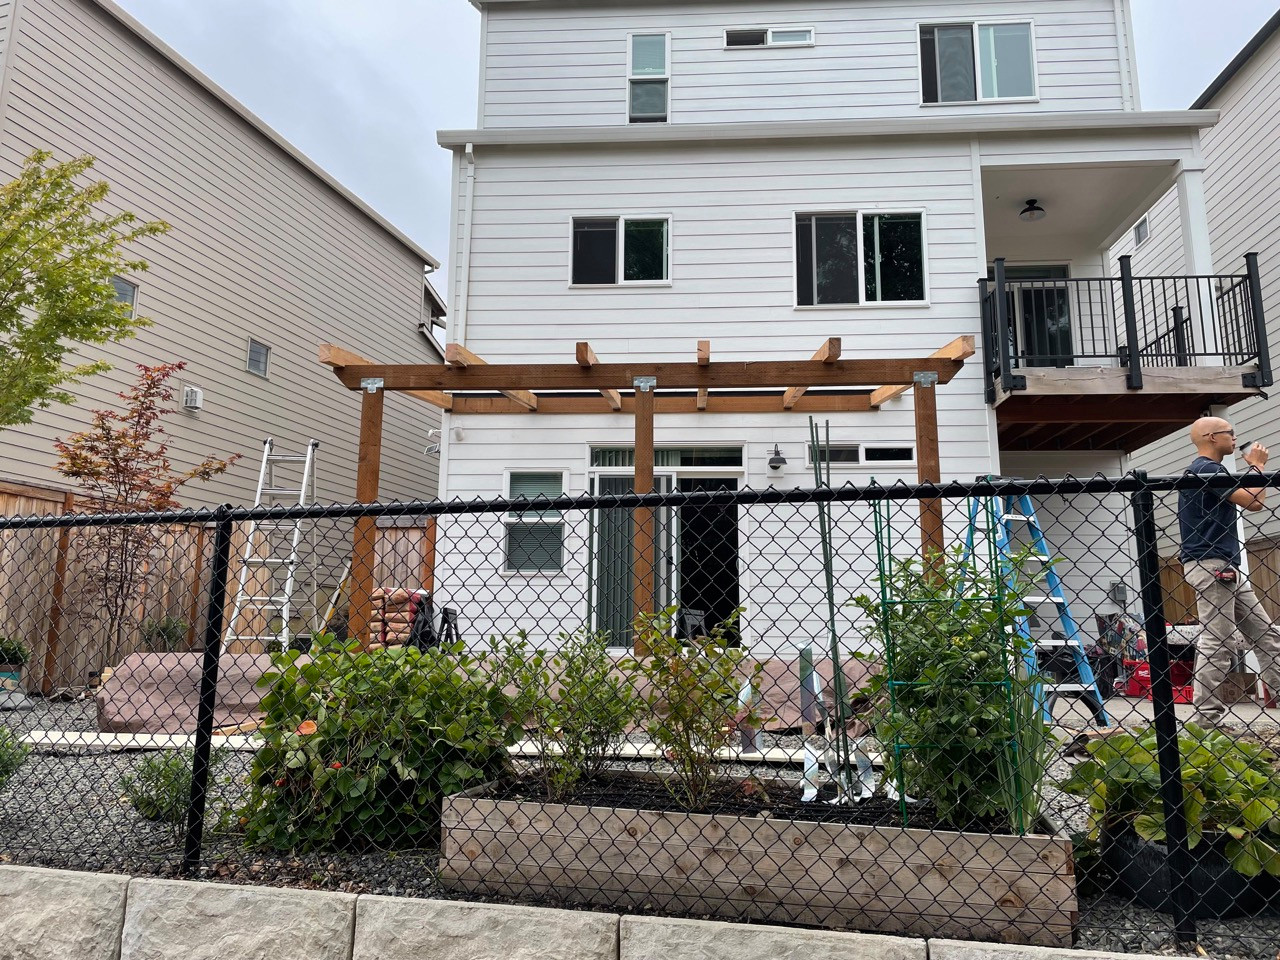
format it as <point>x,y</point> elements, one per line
<point>920,882</point>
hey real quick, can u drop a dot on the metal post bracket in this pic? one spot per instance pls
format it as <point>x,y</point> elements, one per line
<point>645,384</point>
<point>925,378</point>
<point>371,384</point>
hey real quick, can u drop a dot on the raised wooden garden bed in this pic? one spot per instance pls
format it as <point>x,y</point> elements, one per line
<point>921,882</point>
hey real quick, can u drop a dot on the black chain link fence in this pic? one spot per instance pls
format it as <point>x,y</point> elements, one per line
<point>945,711</point>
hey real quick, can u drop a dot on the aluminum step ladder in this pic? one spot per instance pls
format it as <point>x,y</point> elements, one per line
<point>264,602</point>
<point>1009,512</point>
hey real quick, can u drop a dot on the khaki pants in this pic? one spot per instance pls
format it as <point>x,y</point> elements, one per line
<point>1231,620</point>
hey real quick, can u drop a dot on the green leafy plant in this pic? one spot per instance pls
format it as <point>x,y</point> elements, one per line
<point>160,788</point>
<point>164,634</point>
<point>954,703</point>
<point>693,698</point>
<point>1231,792</point>
<point>13,652</point>
<point>13,752</point>
<point>574,707</point>
<point>360,747</point>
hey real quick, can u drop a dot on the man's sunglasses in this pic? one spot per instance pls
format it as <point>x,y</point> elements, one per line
<point>1229,433</point>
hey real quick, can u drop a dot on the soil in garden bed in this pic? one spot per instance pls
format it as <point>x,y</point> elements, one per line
<point>779,801</point>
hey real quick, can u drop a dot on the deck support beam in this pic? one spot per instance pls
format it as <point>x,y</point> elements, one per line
<point>363,552</point>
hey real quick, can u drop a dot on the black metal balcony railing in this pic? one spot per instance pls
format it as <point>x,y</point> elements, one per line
<point>1126,321</point>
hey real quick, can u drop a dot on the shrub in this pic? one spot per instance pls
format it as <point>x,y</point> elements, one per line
<point>164,634</point>
<point>13,652</point>
<point>574,708</point>
<point>693,697</point>
<point>160,789</point>
<point>360,747</point>
<point>954,693</point>
<point>12,754</point>
<point>1231,791</point>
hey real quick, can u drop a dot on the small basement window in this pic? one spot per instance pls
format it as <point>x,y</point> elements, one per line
<point>635,249</point>
<point>534,538</point>
<point>769,37</point>
<point>258,358</point>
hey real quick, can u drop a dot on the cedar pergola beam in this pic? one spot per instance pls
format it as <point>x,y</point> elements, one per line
<point>829,352</point>
<point>704,359</point>
<point>518,378</point>
<point>666,403</point>
<point>960,349</point>
<point>587,359</point>
<point>336,357</point>
<point>459,357</point>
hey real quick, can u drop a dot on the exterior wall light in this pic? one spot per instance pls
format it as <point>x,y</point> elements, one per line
<point>777,461</point>
<point>1032,212</point>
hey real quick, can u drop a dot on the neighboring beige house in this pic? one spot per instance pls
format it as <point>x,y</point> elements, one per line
<point>1241,159</point>
<point>268,256</point>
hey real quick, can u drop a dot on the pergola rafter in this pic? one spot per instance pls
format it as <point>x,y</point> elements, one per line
<point>589,386</point>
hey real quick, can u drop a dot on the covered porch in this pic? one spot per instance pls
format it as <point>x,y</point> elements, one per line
<point>1078,352</point>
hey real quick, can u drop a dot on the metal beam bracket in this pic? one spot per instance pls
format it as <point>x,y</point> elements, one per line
<point>645,384</point>
<point>925,378</point>
<point>371,384</point>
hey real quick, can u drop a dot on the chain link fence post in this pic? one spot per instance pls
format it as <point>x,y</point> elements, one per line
<point>223,527</point>
<point>1179,863</point>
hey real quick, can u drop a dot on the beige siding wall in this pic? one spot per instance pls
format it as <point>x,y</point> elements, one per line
<point>259,247</point>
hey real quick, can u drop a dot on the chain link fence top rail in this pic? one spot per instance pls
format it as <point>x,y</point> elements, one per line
<point>956,710</point>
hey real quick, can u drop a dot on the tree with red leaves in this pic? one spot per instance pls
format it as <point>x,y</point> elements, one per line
<point>122,465</point>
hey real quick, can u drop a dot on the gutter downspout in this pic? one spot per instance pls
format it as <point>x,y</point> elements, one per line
<point>464,276</point>
<point>1128,57</point>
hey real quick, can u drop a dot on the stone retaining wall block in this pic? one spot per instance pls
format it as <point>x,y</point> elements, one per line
<point>60,914</point>
<point>658,938</point>
<point>967,950</point>
<point>182,920</point>
<point>395,928</point>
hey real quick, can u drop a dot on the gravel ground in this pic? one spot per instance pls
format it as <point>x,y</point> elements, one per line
<point>65,809</point>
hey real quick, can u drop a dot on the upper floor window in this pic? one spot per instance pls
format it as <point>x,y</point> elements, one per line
<point>967,62</point>
<point>258,358</point>
<point>1141,230</point>
<point>649,74</point>
<point>848,258</point>
<point>769,37</point>
<point>126,293</point>
<point>621,250</point>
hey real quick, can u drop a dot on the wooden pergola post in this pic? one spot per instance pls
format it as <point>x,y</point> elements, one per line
<point>928,465</point>
<point>363,550</point>
<point>644,552</point>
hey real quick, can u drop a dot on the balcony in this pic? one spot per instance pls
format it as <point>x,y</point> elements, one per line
<point>1111,363</point>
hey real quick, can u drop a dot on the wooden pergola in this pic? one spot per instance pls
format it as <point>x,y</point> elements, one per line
<point>465,383</point>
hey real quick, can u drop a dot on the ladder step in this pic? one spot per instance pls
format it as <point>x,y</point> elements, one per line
<point>1045,600</point>
<point>1056,643</point>
<point>268,562</point>
<point>277,601</point>
<point>1017,516</point>
<point>286,458</point>
<point>281,491</point>
<point>1069,687</point>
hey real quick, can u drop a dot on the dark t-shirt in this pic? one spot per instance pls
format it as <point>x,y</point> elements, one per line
<point>1207,519</point>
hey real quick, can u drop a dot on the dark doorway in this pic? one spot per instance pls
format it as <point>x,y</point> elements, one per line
<point>708,557</point>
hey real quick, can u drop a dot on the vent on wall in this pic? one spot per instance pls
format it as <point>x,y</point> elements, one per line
<point>192,398</point>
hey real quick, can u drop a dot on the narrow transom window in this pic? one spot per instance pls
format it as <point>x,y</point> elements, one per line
<point>534,538</point>
<point>967,62</point>
<point>621,250</point>
<point>888,454</point>
<point>258,359</point>
<point>769,37</point>
<point>126,293</point>
<point>649,78</point>
<point>836,453</point>
<point>1141,231</point>
<point>849,258</point>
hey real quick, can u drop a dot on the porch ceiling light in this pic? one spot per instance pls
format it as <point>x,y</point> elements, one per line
<point>777,461</point>
<point>1032,212</point>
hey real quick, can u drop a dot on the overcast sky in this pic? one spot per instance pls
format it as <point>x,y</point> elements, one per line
<point>361,86</point>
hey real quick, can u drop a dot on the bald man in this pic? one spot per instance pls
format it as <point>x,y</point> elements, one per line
<point>1231,618</point>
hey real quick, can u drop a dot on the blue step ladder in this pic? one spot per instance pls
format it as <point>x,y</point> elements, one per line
<point>1009,511</point>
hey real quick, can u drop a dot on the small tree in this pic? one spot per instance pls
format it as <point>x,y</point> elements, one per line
<point>122,464</point>
<point>57,257</point>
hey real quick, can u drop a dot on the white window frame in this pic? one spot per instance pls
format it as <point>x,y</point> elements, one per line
<point>769,41</point>
<point>623,219</point>
<point>509,520</point>
<point>863,447</point>
<point>248,353</point>
<point>977,61</point>
<point>651,77</point>
<point>1144,222</point>
<point>862,266</point>
<point>132,301</point>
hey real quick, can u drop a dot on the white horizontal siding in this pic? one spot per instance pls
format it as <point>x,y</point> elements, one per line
<point>557,65</point>
<point>258,246</point>
<point>1242,193</point>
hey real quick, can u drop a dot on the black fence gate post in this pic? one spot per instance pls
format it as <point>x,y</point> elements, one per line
<point>208,687</point>
<point>1166,723</point>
